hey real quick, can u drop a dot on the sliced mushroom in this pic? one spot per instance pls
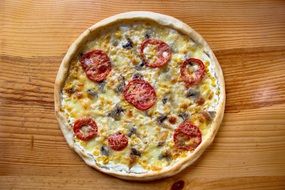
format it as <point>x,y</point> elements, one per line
<point>104,151</point>
<point>212,113</point>
<point>164,100</point>
<point>183,115</point>
<point>147,35</point>
<point>137,76</point>
<point>132,131</point>
<point>162,138</point>
<point>116,112</point>
<point>120,87</point>
<point>132,161</point>
<point>207,53</point>
<point>165,155</point>
<point>135,152</point>
<point>192,93</point>
<point>91,92</point>
<point>102,86</point>
<point>114,43</point>
<point>140,66</point>
<point>160,143</point>
<point>208,115</point>
<point>161,119</point>
<point>128,44</point>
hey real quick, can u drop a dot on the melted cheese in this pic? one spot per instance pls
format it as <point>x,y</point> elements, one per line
<point>77,103</point>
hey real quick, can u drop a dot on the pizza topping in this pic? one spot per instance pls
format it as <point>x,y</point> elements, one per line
<point>92,93</point>
<point>161,119</point>
<point>200,101</point>
<point>162,138</point>
<point>192,71</point>
<point>70,90</point>
<point>132,131</point>
<point>116,112</point>
<point>192,93</point>
<point>104,150</point>
<point>160,143</point>
<point>207,53</point>
<point>102,86</point>
<point>137,76</point>
<point>140,66</point>
<point>172,119</point>
<point>208,115</point>
<point>135,152</point>
<point>155,53</point>
<point>114,42</point>
<point>164,100</point>
<point>187,136</point>
<point>96,65</point>
<point>128,44</point>
<point>140,94</point>
<point>85,129</point>
<point>120,87</point>
<point>132,160</point>
<point>183,115</point>
<point>129,113</point>
<point>80,55</point>
<point>147,35</point>
<point>212,114</point>
<point>118,141</point>
<point>165,155</point>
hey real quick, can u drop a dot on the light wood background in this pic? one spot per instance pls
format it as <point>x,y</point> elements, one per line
<point>248,38</point>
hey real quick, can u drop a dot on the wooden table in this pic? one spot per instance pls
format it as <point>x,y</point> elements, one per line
<point>248,38</point>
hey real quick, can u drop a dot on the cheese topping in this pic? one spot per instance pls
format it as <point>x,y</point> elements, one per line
<point>150,133</point>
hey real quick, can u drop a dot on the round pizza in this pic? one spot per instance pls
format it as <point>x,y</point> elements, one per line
<point>139,95</point>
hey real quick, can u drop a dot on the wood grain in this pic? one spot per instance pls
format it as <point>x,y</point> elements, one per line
<point>248,38</point>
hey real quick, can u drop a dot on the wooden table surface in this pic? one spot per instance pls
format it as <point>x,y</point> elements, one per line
<point>248,38</point>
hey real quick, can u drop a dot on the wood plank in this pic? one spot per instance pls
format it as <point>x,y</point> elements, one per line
<point>225,25</point>
<point>27,148</point>
<point>45,183</point>
<point>242,69</point>
<point>248,38</point>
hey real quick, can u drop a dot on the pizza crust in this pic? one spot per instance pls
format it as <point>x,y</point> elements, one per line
<point>162,20</point>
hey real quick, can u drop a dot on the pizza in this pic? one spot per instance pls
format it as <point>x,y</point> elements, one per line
<point>139,96</point>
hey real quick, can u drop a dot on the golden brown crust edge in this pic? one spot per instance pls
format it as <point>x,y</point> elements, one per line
<point>162,20</point>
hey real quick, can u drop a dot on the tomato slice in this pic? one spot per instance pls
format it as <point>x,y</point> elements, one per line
<point>140,94</point>
<point>118,141</point>
<point>187,136</point>
<point>96,65</point>
<point>85,129</point>
<point>163,53</point>
<point>194,76</point>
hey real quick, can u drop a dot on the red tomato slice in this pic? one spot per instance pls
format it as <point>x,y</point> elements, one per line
<point>85,129</point>
<point>193,77</point>
<point>163,52</point>
<point>118,141</point>
<point>96,65</point>
<point>187,136</point>
<point>140,94</point>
